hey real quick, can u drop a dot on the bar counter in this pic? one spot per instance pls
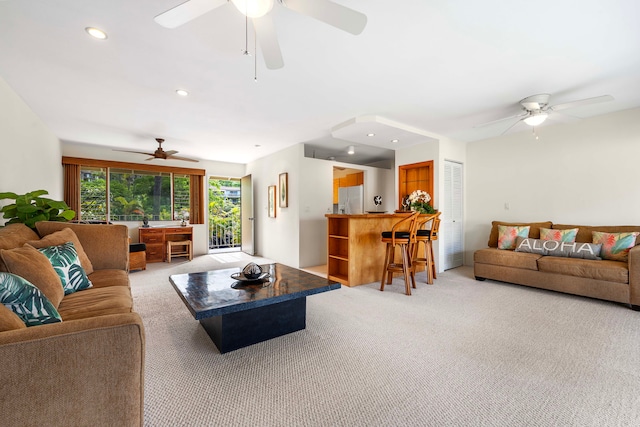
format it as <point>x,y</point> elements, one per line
<point>355,252</point>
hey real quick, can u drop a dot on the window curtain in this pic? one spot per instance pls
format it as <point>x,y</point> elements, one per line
<point>196,215</point>
<point>72,187</point>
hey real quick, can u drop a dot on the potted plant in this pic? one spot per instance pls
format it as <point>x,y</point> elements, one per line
<point>30,208</point>
<point>419,201</point>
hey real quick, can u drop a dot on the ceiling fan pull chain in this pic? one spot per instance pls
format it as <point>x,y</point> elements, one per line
<point>533,129</point>
<point>255,56</point>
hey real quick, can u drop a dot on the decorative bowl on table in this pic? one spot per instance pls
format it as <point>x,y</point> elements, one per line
<point>251,272</point>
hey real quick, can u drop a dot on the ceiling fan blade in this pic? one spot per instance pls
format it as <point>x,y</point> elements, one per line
<point>133,151</point>
<point>330,13</point>
<point>182,158</point>
<point>493,122</point>
<point>170,152</point>
<point>581,102</point>
<point>268,39</point>
<point>510,127</point>
<point>185,12</point>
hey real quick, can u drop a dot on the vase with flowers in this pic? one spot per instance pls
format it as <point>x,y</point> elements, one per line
<point>420,201</point>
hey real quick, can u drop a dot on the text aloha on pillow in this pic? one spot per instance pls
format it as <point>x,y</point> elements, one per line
<point>66,263</point>
<point>615,246</point>
<point>25,300</point>
<point>559,249</point>
<point>507,235</point>
<point>567,235</point>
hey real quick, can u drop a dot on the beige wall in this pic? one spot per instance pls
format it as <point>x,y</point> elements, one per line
<point>30,152</point>
<point>579,173</point>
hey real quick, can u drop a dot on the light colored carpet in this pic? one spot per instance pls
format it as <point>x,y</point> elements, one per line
<point>457,353</point>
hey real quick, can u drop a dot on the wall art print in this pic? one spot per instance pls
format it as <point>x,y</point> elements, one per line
<point>284,190</point>
<point>272,201</point>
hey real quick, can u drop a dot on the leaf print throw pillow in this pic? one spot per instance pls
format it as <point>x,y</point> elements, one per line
<point>568,235</point>
<point>26,301</point>
<point>66,263</point>
<point>615,246</point>
<point>507,235</point>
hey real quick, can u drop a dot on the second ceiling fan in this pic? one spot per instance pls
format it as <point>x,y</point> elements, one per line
<point>326,11</point>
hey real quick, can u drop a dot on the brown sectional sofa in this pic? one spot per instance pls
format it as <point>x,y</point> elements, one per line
<point>603,279</point>
<point>89,368</point>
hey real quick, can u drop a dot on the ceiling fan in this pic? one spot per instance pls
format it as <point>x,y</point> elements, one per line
<point>536,109</point>
<point>160,153</point>
<point>326,11</point>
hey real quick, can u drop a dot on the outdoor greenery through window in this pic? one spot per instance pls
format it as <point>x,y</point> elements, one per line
<point>224,213</point>
<point>133,194</point>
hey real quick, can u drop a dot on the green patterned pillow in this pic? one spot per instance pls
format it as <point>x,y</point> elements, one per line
<point>66,263</point>
<point>26,301</point>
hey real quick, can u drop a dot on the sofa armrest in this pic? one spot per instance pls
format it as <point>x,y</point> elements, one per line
<point>79,372</point>
<point>106,245</point>
<point>634,276</point>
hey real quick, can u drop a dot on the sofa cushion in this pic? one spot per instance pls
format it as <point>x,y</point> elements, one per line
<point>566,235</point>
<point>30,264</point>
<point>14,236</point>
<point>615,246</point>
<point>534,230</point>
<point>64,236</point>
<point>104,278</point>
<point>610,271</point>
<point>96,302</point>
<point>64,259</point>
<point>557,248</point>
<point>26,301</point>
<point>9,320</point>
<point>496,256</point>
<point>508,235</point>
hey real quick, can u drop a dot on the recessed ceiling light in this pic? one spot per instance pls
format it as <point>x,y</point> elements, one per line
<point>257,146</point>
<point>182,92</point>
<point>97,33</point>
<point>395,140</point>
<point>371,134</point>
<point>351,149</point>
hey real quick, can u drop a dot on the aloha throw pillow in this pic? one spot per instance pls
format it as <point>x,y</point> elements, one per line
<point>26,301</point>
<point>615,246</point>
<point>507,235</point>
<point>559,249</point>
<point>66,263</point>
<point>568,235</point>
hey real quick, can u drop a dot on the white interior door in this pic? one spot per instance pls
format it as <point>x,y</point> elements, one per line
<point>246,215</point>
<point>452,216</point>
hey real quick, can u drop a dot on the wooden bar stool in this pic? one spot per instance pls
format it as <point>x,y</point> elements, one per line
<point>426,236</point>
<point>401,235</point>
<point>184,248</point>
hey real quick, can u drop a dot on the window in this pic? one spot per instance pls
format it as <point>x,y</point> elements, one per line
<point>128,192</point>
<point>93,194</point>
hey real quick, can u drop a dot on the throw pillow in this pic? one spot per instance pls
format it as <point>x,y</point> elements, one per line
<point>507,235</point>
<point>615,246</point>
<point>26,301</point>
<point>567,235</point>
<point>64,236</point>
<point>65,262</point>
<point>30,264</point>
<point>559,249</point>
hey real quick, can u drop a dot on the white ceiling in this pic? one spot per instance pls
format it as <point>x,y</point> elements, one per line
<point>438,67</point>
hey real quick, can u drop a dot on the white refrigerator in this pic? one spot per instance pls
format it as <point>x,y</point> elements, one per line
<point>351,200</point>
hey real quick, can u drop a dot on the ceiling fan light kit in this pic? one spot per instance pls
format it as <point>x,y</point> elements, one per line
<point>536,118</point>
<point>253,8</point>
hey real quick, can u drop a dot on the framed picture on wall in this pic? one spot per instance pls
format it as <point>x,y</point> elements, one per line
<point>284,190</point>
<point>272,201</point>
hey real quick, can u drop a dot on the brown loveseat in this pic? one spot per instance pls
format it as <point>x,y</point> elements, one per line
<point>87,370</point>
<point>603,279</point>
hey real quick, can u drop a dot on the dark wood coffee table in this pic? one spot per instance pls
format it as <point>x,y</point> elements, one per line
<point>237,314</point>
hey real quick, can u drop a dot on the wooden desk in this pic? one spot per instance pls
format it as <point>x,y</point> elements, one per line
<point>156,240</point>
<point>354,247</point>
